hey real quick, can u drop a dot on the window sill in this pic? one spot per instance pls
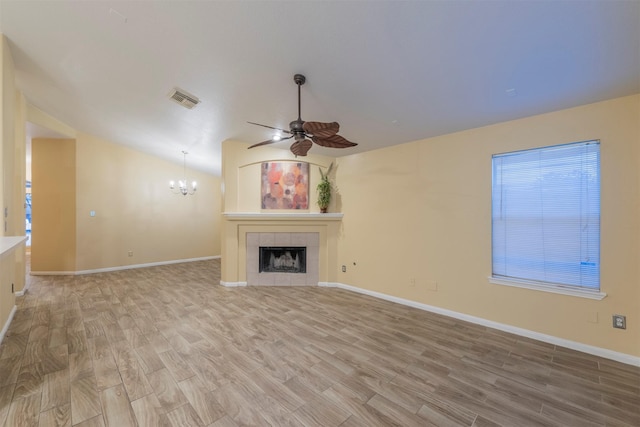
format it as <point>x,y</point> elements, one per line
<point>556,289</point>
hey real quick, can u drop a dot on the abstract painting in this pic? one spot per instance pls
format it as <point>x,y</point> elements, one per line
<point>285,185</point>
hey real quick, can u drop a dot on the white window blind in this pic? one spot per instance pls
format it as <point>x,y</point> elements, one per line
<point>546,215</point>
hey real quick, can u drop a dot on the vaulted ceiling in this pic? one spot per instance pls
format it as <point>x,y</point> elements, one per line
<point>388,71</point>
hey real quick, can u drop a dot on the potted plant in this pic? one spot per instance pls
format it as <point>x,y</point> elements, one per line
<point>324,189</point>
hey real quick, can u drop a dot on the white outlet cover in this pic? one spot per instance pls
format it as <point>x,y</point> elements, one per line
<point>619,321</point>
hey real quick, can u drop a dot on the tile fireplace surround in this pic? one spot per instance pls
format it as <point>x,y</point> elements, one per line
<point>244,233</point>
<point>311,241</point>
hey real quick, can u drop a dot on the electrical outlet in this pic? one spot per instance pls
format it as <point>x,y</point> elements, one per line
<point>130,253</point>
<point>619,321</point>
<point>344,268</point>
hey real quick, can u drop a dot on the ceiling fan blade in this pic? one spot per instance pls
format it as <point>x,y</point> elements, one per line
<point>320,129</point>
<point>334,141</point>
<point>270,141</point>
<point>300,148</point>
<point>270,127</point>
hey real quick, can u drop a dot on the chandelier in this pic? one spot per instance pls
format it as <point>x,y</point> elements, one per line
<point>183,188</point>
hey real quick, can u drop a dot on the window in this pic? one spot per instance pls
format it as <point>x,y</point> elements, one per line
<point>546,218</point>
<point>27,211</point>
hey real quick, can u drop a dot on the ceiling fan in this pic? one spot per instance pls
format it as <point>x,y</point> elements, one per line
<point>324,134</point>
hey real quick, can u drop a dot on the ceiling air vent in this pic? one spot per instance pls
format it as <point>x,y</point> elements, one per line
<point>184,98</point>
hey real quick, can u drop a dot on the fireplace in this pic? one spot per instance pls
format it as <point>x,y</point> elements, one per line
<point>279,259</point>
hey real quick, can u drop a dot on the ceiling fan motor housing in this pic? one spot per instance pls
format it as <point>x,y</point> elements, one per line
<point>296,126</point>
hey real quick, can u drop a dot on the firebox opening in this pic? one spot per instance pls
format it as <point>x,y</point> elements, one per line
<point>283,259</point>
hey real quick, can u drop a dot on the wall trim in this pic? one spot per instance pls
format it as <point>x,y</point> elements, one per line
<point>5,328</point>
<point>232,284</point>
<point>121,267</point>
<point>546,287</point>
<point>282,216</point>
<point>574,345</point>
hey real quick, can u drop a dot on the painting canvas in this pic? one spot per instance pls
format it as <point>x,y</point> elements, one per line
<point>285,185</point>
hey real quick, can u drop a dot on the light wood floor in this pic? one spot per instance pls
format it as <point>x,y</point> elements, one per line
<point>169,346</point>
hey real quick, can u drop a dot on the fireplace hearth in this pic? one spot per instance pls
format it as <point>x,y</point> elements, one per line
<point>278,259</point>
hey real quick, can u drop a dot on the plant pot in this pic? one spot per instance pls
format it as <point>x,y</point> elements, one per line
<point>323,210</point>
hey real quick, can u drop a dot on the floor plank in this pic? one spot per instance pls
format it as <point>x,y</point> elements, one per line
<point>116,407</point>
<point>24,412</point>
<point>85,399</point>
<point>60,416</point>
<point>55,390</point>
<point>149,412</point>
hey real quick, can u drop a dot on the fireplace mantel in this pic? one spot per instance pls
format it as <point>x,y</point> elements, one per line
<point>273,216</point>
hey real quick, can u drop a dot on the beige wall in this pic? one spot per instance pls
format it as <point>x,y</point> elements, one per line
<point>7,299</point>
<point>136,211</point>
<point>10,170</point>
<point>12,187</point>
<point>53,192</point>
<point>19,180</point>
<point>417,224</point>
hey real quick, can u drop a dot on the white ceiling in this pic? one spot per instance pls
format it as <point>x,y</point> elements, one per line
<point>388,71</point>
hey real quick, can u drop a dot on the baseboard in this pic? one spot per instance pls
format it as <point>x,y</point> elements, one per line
<point>24,290</point>
<point>585,348</point>
<point>53,273</point>
<point>121,267</point>
<point>5,328</point>
<point>232,284</point>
